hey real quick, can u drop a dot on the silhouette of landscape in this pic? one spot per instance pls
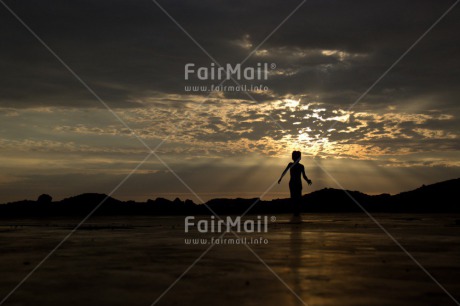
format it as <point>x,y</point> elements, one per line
<point>435,198</point>
<point>129,252</point>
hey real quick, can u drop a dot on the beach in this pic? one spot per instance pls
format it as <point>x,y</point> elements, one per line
<point>330,259</point>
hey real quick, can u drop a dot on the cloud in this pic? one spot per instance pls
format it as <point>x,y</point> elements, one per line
<point>328,49</point>
<point>326,55</point>
<point>229,128</point>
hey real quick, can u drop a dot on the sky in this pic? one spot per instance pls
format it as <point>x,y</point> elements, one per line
<point>341,87</point>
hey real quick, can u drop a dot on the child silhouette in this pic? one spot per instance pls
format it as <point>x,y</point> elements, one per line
<point>296,170</point>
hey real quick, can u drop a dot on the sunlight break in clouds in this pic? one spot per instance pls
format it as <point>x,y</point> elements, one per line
<point>53,133</point>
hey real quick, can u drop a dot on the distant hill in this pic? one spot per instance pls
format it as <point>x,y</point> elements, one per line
<point>436,198</point>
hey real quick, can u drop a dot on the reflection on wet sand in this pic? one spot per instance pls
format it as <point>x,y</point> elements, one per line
<point>295,263</point>
<point>329,260</point>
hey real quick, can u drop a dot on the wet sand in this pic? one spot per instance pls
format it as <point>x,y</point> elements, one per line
<point>329,260</point>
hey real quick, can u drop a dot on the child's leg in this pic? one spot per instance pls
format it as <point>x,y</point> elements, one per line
<point>296,206</point>
<point>296,198</point>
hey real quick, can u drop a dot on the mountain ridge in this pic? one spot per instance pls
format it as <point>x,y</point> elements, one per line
<point>440,197</point>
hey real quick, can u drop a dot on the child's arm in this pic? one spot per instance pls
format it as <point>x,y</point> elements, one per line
<point>305,176</point>
<point>284,172</point>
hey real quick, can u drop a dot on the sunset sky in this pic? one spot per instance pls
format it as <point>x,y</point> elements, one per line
<point>56,137</point>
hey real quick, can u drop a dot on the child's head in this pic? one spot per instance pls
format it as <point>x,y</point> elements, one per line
<point>296,155</point>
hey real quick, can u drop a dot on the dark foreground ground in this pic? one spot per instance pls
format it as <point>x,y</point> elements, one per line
<point>330,260</point>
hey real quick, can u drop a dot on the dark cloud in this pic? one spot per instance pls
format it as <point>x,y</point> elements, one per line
<point>327,54</point>
<point>129,50</point>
